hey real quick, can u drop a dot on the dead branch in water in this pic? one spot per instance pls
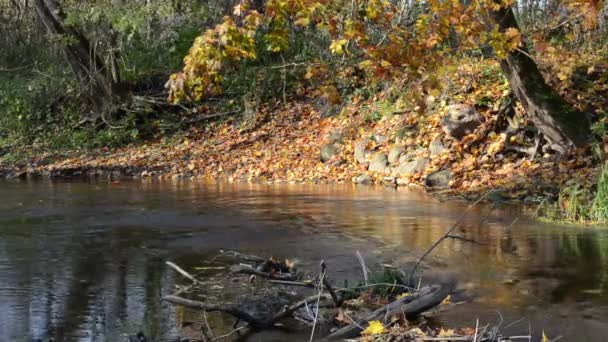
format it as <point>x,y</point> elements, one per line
<point>447,235</point>
<point>229,309</point>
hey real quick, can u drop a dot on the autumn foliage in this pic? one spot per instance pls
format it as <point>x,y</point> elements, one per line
<point>383,38</point>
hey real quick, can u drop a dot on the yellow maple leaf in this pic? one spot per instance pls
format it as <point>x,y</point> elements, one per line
<point>374,328</point>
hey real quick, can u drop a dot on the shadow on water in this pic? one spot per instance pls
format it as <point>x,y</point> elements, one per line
<point>85,261</point>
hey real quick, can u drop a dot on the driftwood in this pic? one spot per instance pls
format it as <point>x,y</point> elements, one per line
<point>228,308</point>
<point>410,306</point>
<point>275,276</point>
<point>235,311</point>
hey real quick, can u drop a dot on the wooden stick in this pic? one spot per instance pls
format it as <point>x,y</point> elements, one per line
<point>363,267</point>
<point>182,272</point>
<point>292,283</point>
<point>328,286</point>
<point>229,309</point>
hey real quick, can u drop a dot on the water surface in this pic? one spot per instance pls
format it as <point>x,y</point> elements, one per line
<point>85,261</point>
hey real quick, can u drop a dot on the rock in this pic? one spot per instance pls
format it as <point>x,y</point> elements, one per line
<point>379,163</point>
<point>394,154</point>
<point>361,152</point>
<point>439,179</point>
<point>327,152</point>
<point>335,137</point>
<point>328,105</point>
<point>436,147</point>
<point>363,179</point>
<point>461,120</point>
<point>405,157</point>
<point>379,138</point>
<point>411,167</point>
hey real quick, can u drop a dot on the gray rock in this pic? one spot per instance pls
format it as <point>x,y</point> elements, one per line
<point>361,152</point>
<point>418,153</point>
<point>363,179</point>
<point>327,152</point>
<point>411,167</point>
<point>436,147</point>
<point>394,154</point>
<point>326,107</point>
<point>461,120</point>
<point>439,179</point>
<point>379,139</point>
<point>335,137</point>
<point>379,163</point>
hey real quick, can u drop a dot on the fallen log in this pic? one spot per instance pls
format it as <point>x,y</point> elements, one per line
<point>410,306</point>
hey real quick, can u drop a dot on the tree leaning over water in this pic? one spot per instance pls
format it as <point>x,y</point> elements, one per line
<point>385,39</point>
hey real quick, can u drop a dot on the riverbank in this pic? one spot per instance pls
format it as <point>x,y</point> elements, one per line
<point>465,142</point>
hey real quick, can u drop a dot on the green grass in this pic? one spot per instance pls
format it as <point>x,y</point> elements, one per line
<point>599,208</point>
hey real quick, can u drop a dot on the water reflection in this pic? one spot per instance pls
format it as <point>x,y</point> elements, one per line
<point>85,261</point>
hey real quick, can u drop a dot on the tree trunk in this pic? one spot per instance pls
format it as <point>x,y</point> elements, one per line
<point>94,77</point>
<point>557,120</point>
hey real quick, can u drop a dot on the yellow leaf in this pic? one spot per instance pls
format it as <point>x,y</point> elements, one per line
<point>403,295</point>
<point>374,328</point>
<point>446,333</point>
<point>337,46</point>
<point>545,338</point>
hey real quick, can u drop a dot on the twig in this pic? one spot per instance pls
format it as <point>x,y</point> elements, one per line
<point>275,276</point>
<point>210,116</point>
<point>321,282</point>
<point>229,309</point>
<point>476,329</point>
<point>208,327</point>
<point>363,267</point>
<point>182,272</point>
<point>374,285</point>
<point>292,283</point>
<point>449,231</point>
<point>462,238</point>
<point>328,286</point>
<point>230,333</point>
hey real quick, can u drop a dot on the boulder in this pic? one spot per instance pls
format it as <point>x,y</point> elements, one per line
<point>379,163</point>
<point>436,147</point>
<point>394,154</point>
<point>460,120</point>
<point>439,179</point>
<point>411,167</point>
<point>363,179</point>
<point>361,152</point>
<point>327,152</point>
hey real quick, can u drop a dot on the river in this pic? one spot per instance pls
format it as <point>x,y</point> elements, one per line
<point>85,261</point>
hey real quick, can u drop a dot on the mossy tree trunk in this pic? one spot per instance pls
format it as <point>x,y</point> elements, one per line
<point>557,120</point>
<point>97,82</point>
